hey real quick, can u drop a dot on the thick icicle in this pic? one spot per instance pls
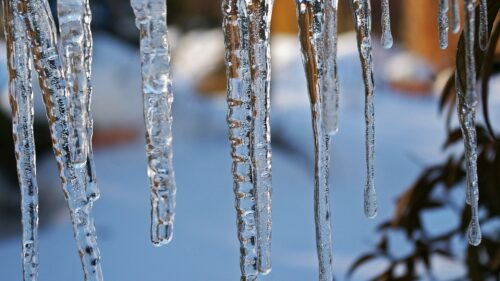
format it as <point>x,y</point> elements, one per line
<point>330,92</point>
<point>467,101</point>
<point>483,24</point>
<point>443,24</point>
<point>236,37</point>
<point>21,100</point>
<point>41,32</point>
<point>362,21</point>
<point>259,23</point>
<point>311,19</point>
<point>76,40</point>
<point>455,16</point>
<point>386,26</point>
<point>151,19</point>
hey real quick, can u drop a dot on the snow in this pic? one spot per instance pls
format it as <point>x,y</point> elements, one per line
<point>409,133</point>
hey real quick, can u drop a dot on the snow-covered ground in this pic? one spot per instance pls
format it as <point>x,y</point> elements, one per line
<point>409,133</point>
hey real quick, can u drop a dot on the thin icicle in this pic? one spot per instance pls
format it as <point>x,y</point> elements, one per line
<point>151,19</point>
<point>455,16</point>
<point>331,92</point>
<point>466,116</point>
<point>443,24</point>
<point>239,99</point>
<point>259,23</point>
<point>386,26</point>
<point>76,41</point>
<point>21,100</point>
<point>362,21</point>
<point>311,20</point>
<point>92,188</point>
<point>467,101</point>
<point>483,24</point>
<point>41,33</point>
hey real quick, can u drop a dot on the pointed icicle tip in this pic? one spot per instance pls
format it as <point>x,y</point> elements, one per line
<point>474,233</point>
<point>387,40</point>
<point>370,203</point>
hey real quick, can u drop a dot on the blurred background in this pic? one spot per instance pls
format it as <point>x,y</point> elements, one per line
<point>410,134</point>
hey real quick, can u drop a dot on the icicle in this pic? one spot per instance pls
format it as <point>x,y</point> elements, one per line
<point>311,19</point>
<point>76,39</point>
<point>455,16</point>
<point>151,19</point>
<point>362,21</point>
<point>92,188</point>
<point>259,23</point>
<point>443,24</point>
<point>41,32</point>
<point>467,101</point>
<point>483,24</point>
<point>467,117</point>
<point>21,100</point>
<point>236,37</point>
<point>331,91</point>
<point>386,26</point>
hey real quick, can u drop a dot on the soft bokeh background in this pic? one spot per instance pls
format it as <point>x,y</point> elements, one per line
<point>408,127</point>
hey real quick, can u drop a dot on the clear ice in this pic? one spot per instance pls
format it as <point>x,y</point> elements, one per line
<point>483,24</point>
<point>455,16</point>
<point>467,102</point>
<point>259,14</point>
<point>362,21</point>
<point>236,29</point>
<point>76,48</point>
<point>311,21</point>
<point>330,92</point>
<point>443,24</point>
<point>21,100</point>
<point>42,36</point>
<point>386,26</point>
<point>151,19</point>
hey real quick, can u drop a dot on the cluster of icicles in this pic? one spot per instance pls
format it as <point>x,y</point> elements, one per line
<point>63,69</point>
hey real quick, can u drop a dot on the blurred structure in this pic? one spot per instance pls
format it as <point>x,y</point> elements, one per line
<point>420,34</point>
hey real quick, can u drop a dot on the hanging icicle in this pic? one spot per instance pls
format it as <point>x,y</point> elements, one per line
<point>455,16</point>
<point>41,32</point>
<point>386,26</point>
<point>483,24</point>
<point>239,99</point>
<point>467,101</point>
<point>443,24</point>
<point>362,20</point>
<point>330,92</point>
<point>259,14</point>
<point>151,19</point>
<point>311,20</point>
<point>76,40</point>
<point>21,100</point>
